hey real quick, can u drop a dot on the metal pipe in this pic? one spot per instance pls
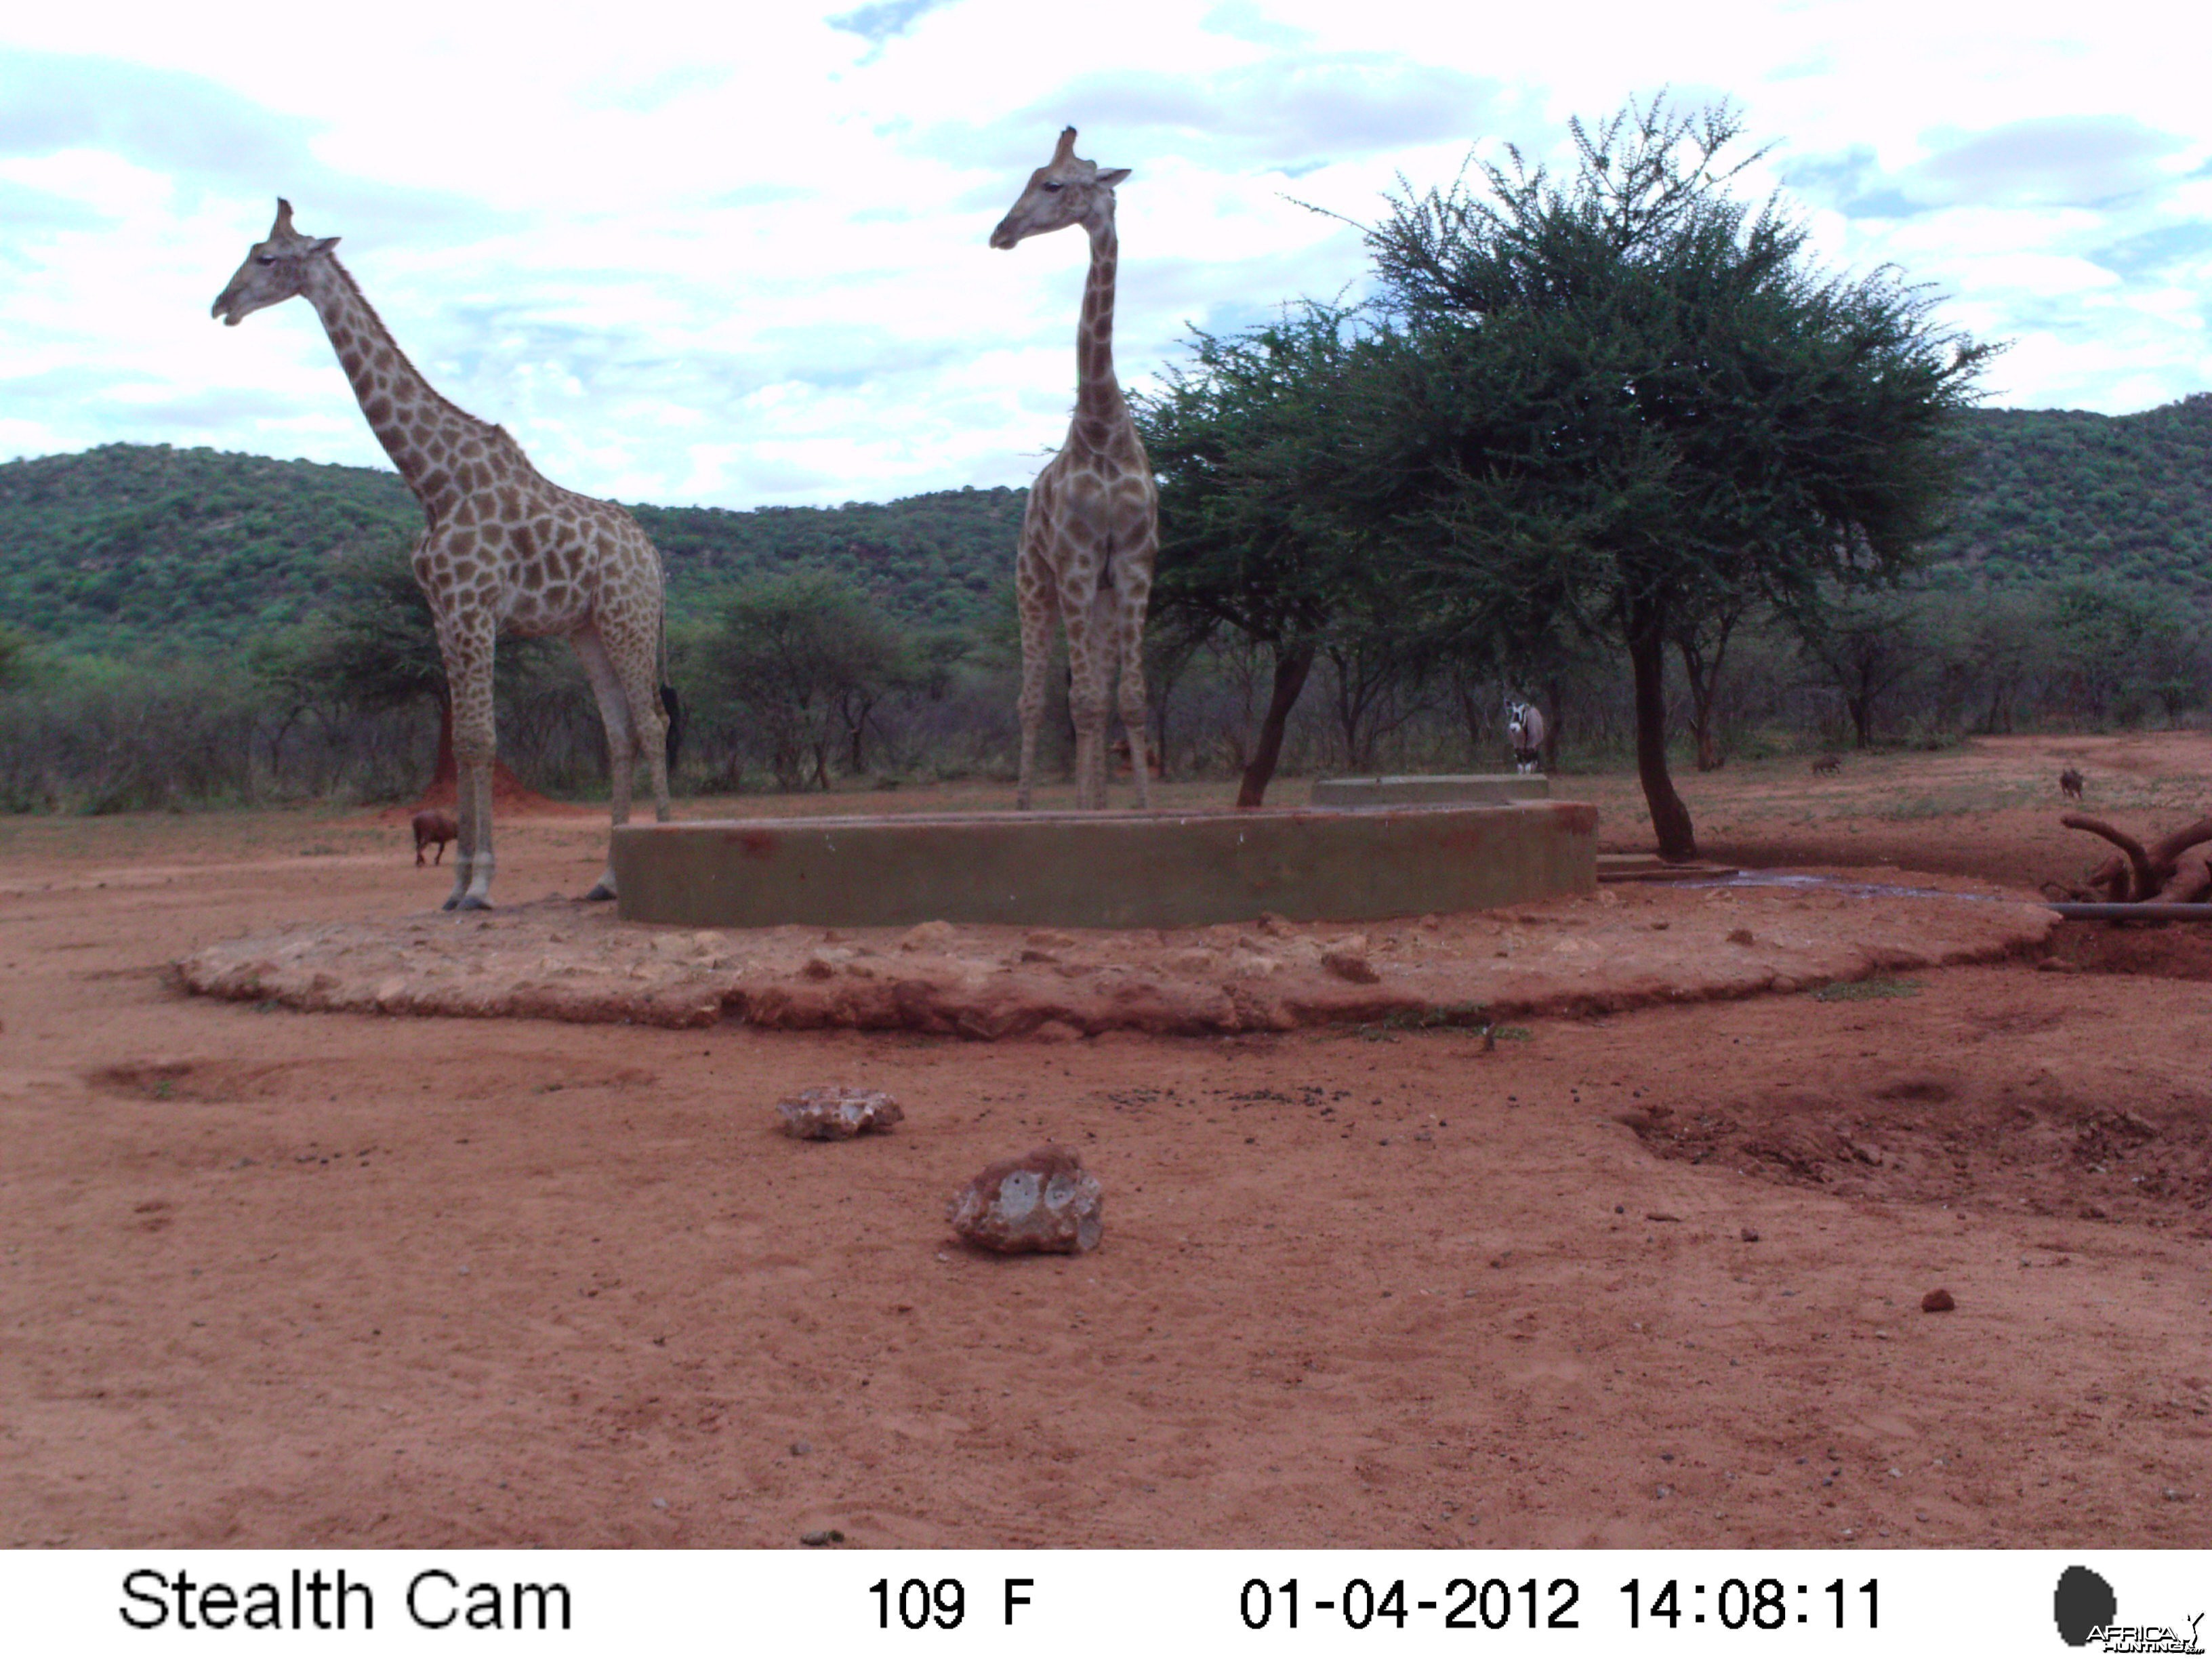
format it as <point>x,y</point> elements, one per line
<point>2147,912</point>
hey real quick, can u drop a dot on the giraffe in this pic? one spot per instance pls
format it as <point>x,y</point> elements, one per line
<point>501,548</point>
<point>1092,527</point>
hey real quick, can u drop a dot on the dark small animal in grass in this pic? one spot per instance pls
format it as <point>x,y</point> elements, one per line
<point>2070,784</point>
<point>1828,764</point>
<point>434,827</point>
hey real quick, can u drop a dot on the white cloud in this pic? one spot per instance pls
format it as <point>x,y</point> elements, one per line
<point>739,257</point>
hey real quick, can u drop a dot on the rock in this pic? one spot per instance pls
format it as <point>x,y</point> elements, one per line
<point>930,936</point>
<point>828,1535</point>
<point>1751,1234</point>
<point>1043,1201</point>
<point>836,1113</point>
<point>1740,936</point>
<point>1348,962</point>
<point>1045,938</point>
<point>1866,1152</point>
<point>1277,926</point>
<point>1937,1300</point>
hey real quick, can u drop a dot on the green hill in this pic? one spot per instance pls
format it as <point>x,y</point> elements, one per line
<point>2054,493</point>
<point>133,548</point>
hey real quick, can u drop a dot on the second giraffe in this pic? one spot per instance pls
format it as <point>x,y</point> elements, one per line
<point>1091,530</point>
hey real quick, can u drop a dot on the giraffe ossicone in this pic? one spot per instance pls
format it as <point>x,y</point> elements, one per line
<point>1090,532</point>
<point>502,549</point>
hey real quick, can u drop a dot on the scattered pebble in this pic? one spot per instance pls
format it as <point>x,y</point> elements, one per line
<point>828,1535</point>
<point>1937,1300</point>
<point>1751,1234</point>
<point>800,1448</point>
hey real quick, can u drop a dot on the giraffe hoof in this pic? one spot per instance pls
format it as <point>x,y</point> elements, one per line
<point>598,893</point>
<point>453,903</point>
<point>473,902</point>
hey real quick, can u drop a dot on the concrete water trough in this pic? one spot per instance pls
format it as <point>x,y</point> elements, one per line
<point>1104,869</point>
<point>1436,789</point>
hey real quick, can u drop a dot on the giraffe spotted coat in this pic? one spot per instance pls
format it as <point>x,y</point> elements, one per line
<point>503,548</point>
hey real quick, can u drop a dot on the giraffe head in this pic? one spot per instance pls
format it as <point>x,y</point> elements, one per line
<point>1065,190</point>
<point>275,269</point>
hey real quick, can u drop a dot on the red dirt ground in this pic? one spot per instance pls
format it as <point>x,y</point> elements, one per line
<point>283,1278</point>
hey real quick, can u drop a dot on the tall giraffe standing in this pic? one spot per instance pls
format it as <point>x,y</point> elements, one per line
<point>1092,529</point>
<point>501,548</point>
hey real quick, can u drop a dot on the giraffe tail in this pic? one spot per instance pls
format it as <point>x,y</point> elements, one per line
<point>674,705</point>
<point>670,702</point>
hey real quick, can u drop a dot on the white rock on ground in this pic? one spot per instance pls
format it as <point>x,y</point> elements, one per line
<point>1043,1201</point>
<point>836,1113</point>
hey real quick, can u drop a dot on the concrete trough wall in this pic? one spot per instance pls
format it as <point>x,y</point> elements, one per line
<point>1103,870</point>
<point>1460,789</point>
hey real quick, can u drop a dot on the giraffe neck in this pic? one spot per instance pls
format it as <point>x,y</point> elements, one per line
<point>1098,405</point>
<point>419,430</point>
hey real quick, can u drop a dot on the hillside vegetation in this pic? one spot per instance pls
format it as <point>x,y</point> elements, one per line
<point>133,549</point>
<point>2061,492</point>
<point>141,549</point>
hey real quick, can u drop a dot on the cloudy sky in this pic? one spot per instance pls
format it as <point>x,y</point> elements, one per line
<point>736,254</point>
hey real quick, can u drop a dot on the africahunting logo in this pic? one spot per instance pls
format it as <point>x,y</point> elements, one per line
<point>2084,1607</point>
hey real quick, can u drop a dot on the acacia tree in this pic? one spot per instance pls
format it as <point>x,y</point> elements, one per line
<point>1627,397</point>
<point>805,658</point>
<point>1255,457</point>
<point>1867,646</point>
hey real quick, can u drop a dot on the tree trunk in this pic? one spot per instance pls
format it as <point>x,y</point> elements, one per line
<point>1703,675</point>
<point>1555,721</point>
<point>1647,657</point>
<point>1862,712</point>
<point>1292,664</point>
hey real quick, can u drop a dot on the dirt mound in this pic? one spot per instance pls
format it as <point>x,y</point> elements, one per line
<point>2163,952</point>
<point>2034,1145</point>
<point>510,796</point>
<point>1580,955</point>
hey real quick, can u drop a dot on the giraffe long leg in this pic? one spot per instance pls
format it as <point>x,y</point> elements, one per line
<point>1129,620</point>
<point>1088,665</point>
<point>1034,595</point>
<point>467,645</point>
<point>621,737</point>
<point>632,635</point>
<point>1106,655</point>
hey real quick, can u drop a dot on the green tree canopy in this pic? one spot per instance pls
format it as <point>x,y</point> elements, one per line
<point>15,658</point>
<point>806,657</point>
<point>1628,398</point>
<point>1256,454</point>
